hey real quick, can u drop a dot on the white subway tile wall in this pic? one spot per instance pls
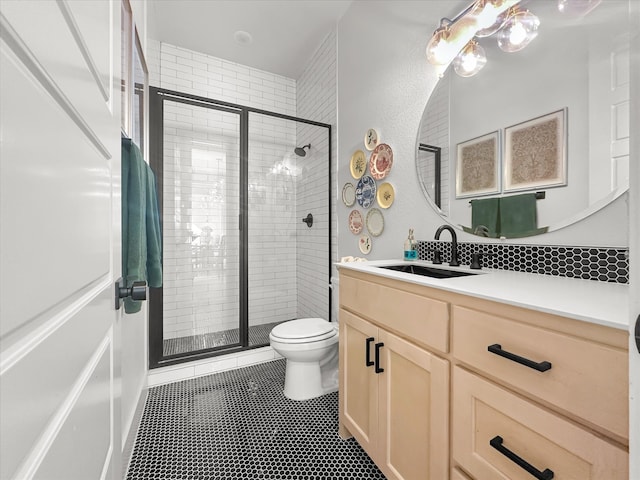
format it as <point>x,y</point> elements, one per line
<point>272,221</point>
<point>200,220</point>
<point>201,195</point>
<point>317,101</point>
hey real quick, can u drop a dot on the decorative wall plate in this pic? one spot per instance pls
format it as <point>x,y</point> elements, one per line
<point>355,222</point>
<point>364,244</point>
<point>385,195</point>
<point>358,164</point>
<point>366,191</point>
<point>381,161</point>
<point>375,222</point>
<point>371,139</point>
<point>348,194</point>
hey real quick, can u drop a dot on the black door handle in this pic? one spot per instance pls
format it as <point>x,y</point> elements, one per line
<point>539,366</point>
<point>377,367</point>
<point>137,291</point>
<point>367,360</point>
<point>496,442</point>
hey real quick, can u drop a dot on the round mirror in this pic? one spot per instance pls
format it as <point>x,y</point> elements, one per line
<point>542,132</point>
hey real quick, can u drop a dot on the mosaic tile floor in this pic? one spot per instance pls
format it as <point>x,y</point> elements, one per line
<point>239,425</point>
<point>258,335</point>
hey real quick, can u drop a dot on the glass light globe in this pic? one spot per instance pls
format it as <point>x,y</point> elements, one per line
<point>519,30</point>
<point>470,60</point>
<point>438,47</point>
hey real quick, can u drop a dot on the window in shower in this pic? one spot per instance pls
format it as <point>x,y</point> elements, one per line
<point>237,258</point>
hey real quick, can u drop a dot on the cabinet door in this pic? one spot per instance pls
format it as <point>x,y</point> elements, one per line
<point>358,382</point>
<point>414,411</point>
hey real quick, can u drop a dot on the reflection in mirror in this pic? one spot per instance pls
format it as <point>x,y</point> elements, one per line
<point>579,64</point>
<point>140,87</point>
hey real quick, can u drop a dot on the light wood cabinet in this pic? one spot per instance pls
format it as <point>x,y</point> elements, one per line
<point>393,401</point>
<point>499,435</point>
<point>523,392</point>
<point>574,365</point>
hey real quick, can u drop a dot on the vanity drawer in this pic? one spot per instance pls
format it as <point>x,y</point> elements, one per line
<point>585,379</point>
<point>490,423</point>
<point>420,319</point>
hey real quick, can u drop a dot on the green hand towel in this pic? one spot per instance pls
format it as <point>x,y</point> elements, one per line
<point>141,238</point>
<point>518,215</point>
<point>485,212</point>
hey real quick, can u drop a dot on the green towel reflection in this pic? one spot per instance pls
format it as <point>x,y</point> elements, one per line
<point>518,215</point>
<point>510,217</point>
<point>485,213</point>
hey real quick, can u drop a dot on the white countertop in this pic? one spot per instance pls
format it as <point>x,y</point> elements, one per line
<point>601,303</point>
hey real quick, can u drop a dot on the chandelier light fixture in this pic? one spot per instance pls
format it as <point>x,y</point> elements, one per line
<point>456,40</point>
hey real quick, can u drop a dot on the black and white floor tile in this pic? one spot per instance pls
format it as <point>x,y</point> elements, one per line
<point>239,425</point>
<point>258,335</point>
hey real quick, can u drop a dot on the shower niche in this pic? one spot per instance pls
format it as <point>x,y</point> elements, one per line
<point>233,186</point>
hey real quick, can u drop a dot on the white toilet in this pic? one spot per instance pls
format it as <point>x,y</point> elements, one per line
<point>310,346</point>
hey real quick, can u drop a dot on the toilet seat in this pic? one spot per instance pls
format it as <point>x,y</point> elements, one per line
<point>304,330</point>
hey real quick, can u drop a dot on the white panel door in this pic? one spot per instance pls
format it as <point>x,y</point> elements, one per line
<point>634,245</point>
<point>59,239</point>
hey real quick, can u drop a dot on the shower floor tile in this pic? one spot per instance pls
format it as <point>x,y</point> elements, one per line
<point>258,335</point>
<point>239,425</point>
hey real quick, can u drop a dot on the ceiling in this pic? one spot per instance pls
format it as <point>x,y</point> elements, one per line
<point>285,33</point>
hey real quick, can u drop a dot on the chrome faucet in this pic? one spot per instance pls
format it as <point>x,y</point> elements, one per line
<point>454,243</point>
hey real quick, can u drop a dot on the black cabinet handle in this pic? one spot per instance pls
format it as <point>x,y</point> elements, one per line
<point>541,366</point>
<point>546,474</point>
<point>377,368</point>
<point>367,360</point>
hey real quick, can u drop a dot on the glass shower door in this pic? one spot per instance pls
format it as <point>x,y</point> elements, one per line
<point>201,235</point>
<point>287,258</point>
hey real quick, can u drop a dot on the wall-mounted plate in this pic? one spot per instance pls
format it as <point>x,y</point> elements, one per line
<point>366,191</point>
<point>381,161</point>
<point>364,244</point>
<point>358,164</point>
<point>375,222</point>
<point>348,194</point>
<point>371,139</point>
<point>356,222</point>
<point>385,195</point>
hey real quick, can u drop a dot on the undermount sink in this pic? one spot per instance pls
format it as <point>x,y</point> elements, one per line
<point>427,271</point>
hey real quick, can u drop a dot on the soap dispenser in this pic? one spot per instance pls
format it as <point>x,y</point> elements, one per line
<point>410,247</point>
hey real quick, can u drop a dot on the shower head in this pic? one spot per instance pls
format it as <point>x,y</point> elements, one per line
<point>300,150</point>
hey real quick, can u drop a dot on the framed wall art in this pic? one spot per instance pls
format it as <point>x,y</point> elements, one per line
<point>477,166</point>
<point>535,153</point>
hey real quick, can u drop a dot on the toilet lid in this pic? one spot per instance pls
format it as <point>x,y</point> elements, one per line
<point>311,329</point>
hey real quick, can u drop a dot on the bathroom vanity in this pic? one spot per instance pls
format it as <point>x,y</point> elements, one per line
<point>493,375</point>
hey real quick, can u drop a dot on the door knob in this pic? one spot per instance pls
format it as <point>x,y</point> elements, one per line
<point>137,291</point>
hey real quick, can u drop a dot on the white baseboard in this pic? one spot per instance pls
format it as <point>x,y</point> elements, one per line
<point>129,443</point>
<point>176,373</point>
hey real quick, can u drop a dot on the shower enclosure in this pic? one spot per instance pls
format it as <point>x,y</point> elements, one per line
<point>237,188</point>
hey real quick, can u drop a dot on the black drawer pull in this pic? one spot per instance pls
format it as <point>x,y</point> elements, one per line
<point>367,360</point>
<point>546,474</point>
<point>541,366</point>
<point>377,368</point>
